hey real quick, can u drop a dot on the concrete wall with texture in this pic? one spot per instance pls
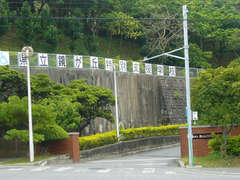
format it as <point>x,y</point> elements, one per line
<point>144,100</point>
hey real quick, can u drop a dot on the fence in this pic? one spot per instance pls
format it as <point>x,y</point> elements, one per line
<point>45,60</point>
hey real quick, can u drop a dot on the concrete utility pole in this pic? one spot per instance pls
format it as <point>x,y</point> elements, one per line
<point>187,79</point>
<point>27,50</point>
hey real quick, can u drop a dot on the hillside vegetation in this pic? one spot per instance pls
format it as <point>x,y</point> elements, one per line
<point>123,28</point>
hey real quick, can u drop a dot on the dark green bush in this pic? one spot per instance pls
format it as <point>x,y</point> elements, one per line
<point>52,132</point>
<point>233,145</point>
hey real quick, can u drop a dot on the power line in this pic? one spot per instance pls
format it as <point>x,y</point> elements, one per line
<point>113,19</point>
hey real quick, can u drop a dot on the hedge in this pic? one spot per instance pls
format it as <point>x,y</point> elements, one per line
<point>89,142</point>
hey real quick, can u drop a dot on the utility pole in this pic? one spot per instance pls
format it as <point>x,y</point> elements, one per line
<point>187,79</point>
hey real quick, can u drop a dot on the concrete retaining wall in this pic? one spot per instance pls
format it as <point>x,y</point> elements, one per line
<point>144,100</point>
<point>128,147</point>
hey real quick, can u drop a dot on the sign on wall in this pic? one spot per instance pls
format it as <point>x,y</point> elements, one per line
<point>172,71</point>
<point>108,64</point>
<point>93,62</point>
<point>4,58</point>
<point>122,66</point>
<point>160,70</point>
<point>148,68</point>
<point>61,60</point>
<point>78,61</point>
<point>42,59</point>
<point>136,67</point>
<point>22,59</point>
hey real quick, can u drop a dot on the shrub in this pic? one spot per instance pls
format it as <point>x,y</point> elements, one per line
<point>52,132</point>
<point>215,143</point>
<point>23,136</point>
<point>233,145</point>
<point>89,142</point>
<point>97,140</point>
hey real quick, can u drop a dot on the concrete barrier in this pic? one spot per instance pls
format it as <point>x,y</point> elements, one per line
<point>128,147</point>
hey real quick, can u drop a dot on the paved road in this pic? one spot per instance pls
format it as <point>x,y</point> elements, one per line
<point>158,164</point>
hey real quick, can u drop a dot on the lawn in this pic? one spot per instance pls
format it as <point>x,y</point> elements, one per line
<point>26,159</point>
<point>215,161</point>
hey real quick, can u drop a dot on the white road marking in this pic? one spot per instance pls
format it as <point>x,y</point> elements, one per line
<point>134,160</point>
<point>39,169</point>
<point>15,169</point>
<point>81,170</point>
<point>150,164</point>
<point>63,169</point>
<point>148,170</point>
<point>170,172</point>
<point>104,170</point>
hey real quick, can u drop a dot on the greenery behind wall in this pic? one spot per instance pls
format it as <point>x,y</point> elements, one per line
<point>117,28</point>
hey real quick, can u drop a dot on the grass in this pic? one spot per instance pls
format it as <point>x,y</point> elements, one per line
<point>215,160</point>
<point>26,160</point>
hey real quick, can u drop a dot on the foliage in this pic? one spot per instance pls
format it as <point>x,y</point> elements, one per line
<point>11,83</point>
<point>4,11</point>
<point>25,26</point>
<point>89,142</point>
<point>51,132</point>
<point>232,146</point>
<point>215,95</point>
<point>97,140</point>
<point>23,136</point>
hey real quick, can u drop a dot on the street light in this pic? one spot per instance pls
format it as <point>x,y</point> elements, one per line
<point>187,79</point>
<point>28,51</point>
<point>116,99</point>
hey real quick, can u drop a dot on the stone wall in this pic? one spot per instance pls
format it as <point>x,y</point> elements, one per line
<point>144,100</point>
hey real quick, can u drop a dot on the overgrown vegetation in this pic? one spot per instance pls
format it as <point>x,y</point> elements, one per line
<point>93,27</point>
<point>89,142</point>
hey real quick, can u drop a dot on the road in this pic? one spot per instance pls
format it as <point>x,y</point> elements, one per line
<point>157,164</point>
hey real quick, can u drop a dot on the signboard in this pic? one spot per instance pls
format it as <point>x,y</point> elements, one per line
<point>148,68</point>
<point>195,115</point>
<point>61,60</point>
<point>160,70</point>
<point>22,59</point>
<point>122,66</point>
<point>42,60</point>
<point>94,62</point>
<point>4,58</point>
<point>108,64</point>
<point>172,71</point>
<point>78,61</point>
<point>136,67</point>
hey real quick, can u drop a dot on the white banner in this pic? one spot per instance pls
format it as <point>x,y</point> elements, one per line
<point>61,60</point>
<point>78,61</point>
<point>42,59</point>
<point>22,59</point>
<point>136,67</point>
<point>148,68</point>
<point>172,71</point>
<point>160,70</point>
<point>93,62</point>
<point>4,58</point>
<point>108,64</point>
<point>122,66</point>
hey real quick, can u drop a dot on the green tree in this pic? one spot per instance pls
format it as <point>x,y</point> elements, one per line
<point>11,83</point>
<point>4,11</point>
<point>25,24</point>
<point>215,95</point>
